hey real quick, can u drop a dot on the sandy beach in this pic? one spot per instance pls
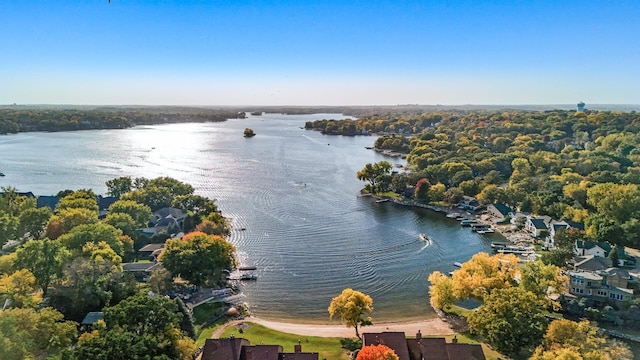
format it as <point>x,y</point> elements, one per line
<point>434,326</point>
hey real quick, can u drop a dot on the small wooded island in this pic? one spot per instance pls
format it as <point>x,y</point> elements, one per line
<point>248,133</point>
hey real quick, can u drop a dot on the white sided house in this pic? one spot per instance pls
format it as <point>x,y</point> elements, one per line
<point>535,225</point>
<point>586,247</point>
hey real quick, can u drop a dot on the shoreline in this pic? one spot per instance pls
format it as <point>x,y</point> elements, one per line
<point>515,237</point>
<point>433,326</point>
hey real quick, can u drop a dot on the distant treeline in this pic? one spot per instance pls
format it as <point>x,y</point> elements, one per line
<point>377,122</point>
<point>19,119</point>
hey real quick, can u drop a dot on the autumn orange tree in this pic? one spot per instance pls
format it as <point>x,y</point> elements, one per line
<point>376,352</point>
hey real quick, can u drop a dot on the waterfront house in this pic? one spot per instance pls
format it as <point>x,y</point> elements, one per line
<point>469,203</point>
<point>611,286</point>
<point>241,349</point>
<point>424,348</point>
<point>499,211</point>
<point>536,226</point>
<point>596,248</point>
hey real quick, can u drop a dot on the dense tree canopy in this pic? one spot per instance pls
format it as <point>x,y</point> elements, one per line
<point>583,167</point>
<point>199,258</point>
<point>378,176</point>
<point>511,319</point>
<point>483,274</point>
<point>45,259</point>
<point>34,334</point>
<point>139,327</point>
<point>580,340</point>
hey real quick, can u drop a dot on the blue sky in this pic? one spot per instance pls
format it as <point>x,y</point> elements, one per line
<point>319,52</point>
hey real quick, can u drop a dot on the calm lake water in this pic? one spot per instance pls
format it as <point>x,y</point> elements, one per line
<point>294,191</point>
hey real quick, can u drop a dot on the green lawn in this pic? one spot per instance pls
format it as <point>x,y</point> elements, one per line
<point>327,348</point>
<point>202,314</point>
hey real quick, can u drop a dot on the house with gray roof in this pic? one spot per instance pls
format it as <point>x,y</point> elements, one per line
<point>535,225</point>
<point>610,286</point>
<point>499,211</point>
<point>588,247</point>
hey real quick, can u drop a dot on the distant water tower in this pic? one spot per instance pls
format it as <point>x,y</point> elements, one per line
<point>580,106</point>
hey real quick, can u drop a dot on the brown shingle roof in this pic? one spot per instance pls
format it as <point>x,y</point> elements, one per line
<point>394,340</point>
<point>223,349</point>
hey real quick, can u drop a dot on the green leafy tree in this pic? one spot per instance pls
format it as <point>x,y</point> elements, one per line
<point>186,320</point>
<point>557,257</point>
<point>155,197</point>
<point>70,218</point>
<point>352,307</point>
<point>121,221</point>
<point>566,238</point>
<point>34,334</point>
<point>139,327</point>
<point>542,280</point>
<point>198,205</point>
<point>86,286</point>
<point>618,203</point>
<point>119,186</point>
<point>14,204</point>
<point>83,234</point>
<point>83,199</point>
<point>33,221</point>
<point>139,212</point>
<point>45,259</point>
<point>373,173</point>
<point>613,255</point>
<point>8,228</point>
<point>510,319</point>
<point>199,258</point>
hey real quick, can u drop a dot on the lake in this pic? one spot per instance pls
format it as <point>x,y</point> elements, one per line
<point>295,192</point>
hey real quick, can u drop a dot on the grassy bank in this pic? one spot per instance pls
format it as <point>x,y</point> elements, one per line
<point>327,348</point>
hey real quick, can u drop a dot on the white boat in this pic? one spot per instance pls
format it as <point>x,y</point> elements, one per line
<point>424,237</point>
<point>457,264</point>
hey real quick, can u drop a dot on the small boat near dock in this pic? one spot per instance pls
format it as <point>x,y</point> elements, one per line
<point>454,215</point>
<point>381,200</point>
<point>247,268</point>
<point>457,264</point>
<point>467,222</point>
<point>480,227</point>
<point>486,231</point>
